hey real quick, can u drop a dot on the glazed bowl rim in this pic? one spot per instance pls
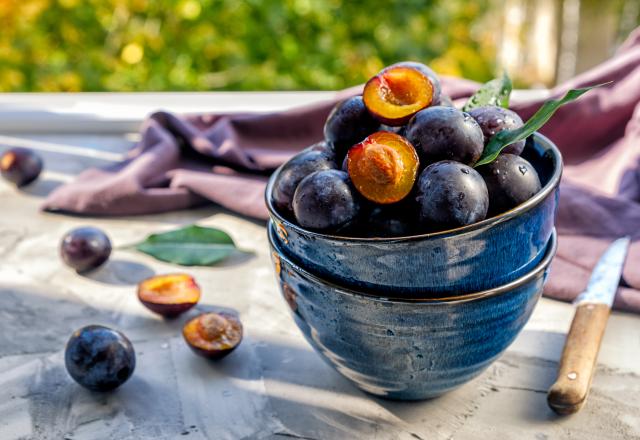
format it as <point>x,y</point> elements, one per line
<point>553,182</point>
<point>543,264</point>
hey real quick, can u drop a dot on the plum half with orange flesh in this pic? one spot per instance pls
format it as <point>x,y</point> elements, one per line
<point>383,167</point>
<point>169,295</point>
<point>397,93</point>
<point>213,335</point>
<point>429,73</point>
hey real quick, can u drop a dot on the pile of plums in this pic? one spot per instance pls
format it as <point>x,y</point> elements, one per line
<point>100,358</point>
<point>399,160</point>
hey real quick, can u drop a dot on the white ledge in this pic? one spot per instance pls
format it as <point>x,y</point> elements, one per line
<point>83,113</point>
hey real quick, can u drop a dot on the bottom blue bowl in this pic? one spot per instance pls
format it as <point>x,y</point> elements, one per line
<point>408,349</point>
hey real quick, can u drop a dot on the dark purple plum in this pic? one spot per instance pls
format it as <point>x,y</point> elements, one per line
<point>511,180</point>
<point>315,158</point>
<point>445,133</point>
<point>451,194</point>
<point>20,166</point>
<point>85,248</point>
<point>493,119</point>
<point>325,201</point>
<point>426,71</point>
<point>99,358</point>
<point>349,123</point>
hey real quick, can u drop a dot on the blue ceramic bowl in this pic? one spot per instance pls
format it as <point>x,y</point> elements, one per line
<point>408,349</point>
<point>476,257</point>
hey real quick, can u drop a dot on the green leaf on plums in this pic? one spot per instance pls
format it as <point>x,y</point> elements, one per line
<point>507,137</point>
<point>495,92</point>
<point>189,246</point>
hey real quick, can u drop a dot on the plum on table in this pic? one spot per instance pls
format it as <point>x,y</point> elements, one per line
<point>85,248</point>
<point>20,166</point>
<point>213,335</point>
<point>99,358</point>
<point>169,295</point>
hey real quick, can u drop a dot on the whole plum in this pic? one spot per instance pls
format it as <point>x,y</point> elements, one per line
<point>348,123</point>
<point>451,194</point>
<point>445,133</point>
<point>511,180</point>
<point>99,358</point>
<point>325,201</point>
<point>315,158</point>
<point>493,119</point>
<point>85,248</point>
<point>20,166</point>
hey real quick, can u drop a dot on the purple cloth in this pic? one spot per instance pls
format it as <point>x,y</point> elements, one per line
<point>183,162</point>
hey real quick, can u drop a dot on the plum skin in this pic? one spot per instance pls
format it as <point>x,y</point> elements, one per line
<point>99,358</point>
<point>511,180</point>
<point>20,166</point>
<point>348,123</point>
<point>493,119</point>
<point>451,194</point>
<point>325,201</point>
<point>315,158</point>
<point>445,133</point>
<point>85,248</point>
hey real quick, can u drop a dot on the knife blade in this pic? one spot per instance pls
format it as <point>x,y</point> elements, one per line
<point>577,364</point>
<point>605,277</point>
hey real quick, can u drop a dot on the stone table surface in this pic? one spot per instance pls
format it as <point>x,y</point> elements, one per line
<point>274,386</point>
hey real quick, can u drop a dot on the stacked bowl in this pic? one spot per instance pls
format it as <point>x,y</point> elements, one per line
<point>413,317</point>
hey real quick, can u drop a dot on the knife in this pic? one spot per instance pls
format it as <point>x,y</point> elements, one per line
<point>578,361</point>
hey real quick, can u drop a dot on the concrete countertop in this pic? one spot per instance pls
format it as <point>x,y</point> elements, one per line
<point>273,386</point>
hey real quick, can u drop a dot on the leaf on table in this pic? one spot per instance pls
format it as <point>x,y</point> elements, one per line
<point>507,137</point>
<point>495,92</point>
<point>189,246</point>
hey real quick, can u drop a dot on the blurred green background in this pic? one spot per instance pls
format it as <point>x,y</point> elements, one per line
<point>161,45</point>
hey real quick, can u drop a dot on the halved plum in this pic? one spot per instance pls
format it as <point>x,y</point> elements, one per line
<point>397,93</point>
<point>429,73</point>
<point>213,335</point>
<point>383,167</point>
<point>169,295</point>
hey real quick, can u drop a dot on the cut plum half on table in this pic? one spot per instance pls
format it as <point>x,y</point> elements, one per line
<point>383,167</point>
<point>213,335</point>
<point>397,93</point>
<point>169,295</point>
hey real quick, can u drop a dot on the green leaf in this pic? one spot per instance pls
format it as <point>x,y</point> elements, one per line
<point>189,246</point>
<point>495,92</point>
<point>507,137</point>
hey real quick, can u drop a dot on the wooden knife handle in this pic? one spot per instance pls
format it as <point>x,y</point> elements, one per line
<point>578,362</point>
